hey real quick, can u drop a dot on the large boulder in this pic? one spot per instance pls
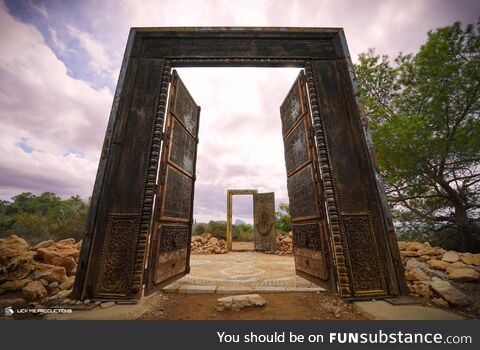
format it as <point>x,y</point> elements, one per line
<point>34,291</point>
<point>14,242</point>
<point>416,274</point>
<point>455,265</point>
<point>464,275</point>
<point>11,286</point>
<point>16,259</point>
<point>438,264</point>
<point>451,256</point>
<point>70,265</point>
<point>448,292</point>
<point>426,251</point>
<point>67,284</point>
<point>411,263</point>
<point>55,274</point>
<point>57,254</point>
<point>414,246</point>
<point>44,244</point>
<point>423,290</point>
<point>470,259</point>
<point>237,302</point>
<point>66,242</point>
<point>213,241</point>
<point>408,253</point>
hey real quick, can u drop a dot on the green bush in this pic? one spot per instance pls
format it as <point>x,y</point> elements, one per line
<point>199,228</point>
<point>243,233</point>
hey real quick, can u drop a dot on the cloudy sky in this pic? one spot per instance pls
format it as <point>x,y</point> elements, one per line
<point>59,63</point>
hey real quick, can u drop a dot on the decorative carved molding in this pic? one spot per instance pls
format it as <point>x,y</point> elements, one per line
<point>150,176</point>
<point>367,271</point>
<point>178,195</point>
<point>117,255</point>
<point>242,62</point>
<point>307,236</point>
<point>173,238</point>
<point>324,158</point>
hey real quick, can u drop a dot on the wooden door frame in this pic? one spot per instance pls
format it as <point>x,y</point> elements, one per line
<point>230,194</point>
<point>124,214</point>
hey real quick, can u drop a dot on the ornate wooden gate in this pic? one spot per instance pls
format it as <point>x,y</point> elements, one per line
<point>309,221</point>
<point>344,235</point>
<point>169,248</point>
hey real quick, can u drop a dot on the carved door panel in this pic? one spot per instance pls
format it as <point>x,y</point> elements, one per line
<point>264,221</point>
<point>309,225</point>
<point>169,247</point>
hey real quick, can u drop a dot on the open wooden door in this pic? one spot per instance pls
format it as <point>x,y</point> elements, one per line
<point>169,246</point>
<point>264,221</point>
<point>309,223</point>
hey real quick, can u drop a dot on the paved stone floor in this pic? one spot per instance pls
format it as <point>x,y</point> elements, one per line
<point>241,272</point>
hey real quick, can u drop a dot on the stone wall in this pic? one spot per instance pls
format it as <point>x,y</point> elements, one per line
<point>444,278</point>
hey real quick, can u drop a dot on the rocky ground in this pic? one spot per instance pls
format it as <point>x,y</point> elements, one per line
<point>44,274</point>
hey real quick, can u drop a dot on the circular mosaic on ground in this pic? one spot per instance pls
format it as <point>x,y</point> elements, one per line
<point>243,270</point>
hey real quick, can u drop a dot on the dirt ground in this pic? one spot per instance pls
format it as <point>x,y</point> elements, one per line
<point>242,246</point>
<point>279,306</point>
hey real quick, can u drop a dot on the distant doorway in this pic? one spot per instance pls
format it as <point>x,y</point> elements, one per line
<point>264,231</point>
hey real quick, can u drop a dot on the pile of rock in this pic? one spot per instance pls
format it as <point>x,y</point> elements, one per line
<point>284,244</point>
<point>43,273</point>
<point>446,278</point>
<point>207,244</point>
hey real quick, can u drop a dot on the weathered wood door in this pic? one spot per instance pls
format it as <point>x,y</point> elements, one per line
<point>169,246</point>
<point>309,224</point>
<point>264,221</point>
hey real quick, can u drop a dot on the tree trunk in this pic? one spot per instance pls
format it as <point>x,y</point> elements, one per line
<point>462,221</point>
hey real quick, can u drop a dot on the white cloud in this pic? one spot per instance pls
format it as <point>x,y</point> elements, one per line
<point>57,42</point>
<point>50,111</point>
<point>39,7</point>
<point>99,59</point>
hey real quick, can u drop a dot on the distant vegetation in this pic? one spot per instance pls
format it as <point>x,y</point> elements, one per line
<point>282,218</point>
<point>47,216</point>
<point>37,218</point>
<point>218,229</point>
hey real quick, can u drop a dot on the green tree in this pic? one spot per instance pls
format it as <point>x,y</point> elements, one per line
<point>42,217</point>
<point>282,218</point>
<point>423,112</point>
<point>218,229</point>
